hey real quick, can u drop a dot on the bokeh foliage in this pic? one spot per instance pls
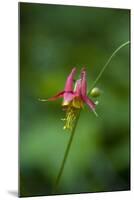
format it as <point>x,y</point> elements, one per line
<point>53,39</point>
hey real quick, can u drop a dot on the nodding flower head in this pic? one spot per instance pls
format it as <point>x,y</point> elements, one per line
<point>74,97</point>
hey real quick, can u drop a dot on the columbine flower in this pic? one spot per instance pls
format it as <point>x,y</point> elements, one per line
<point>73,99</point>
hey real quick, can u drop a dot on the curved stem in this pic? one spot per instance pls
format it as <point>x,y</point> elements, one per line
<point>76,122</point>
<point>108,61</point>
<point>66,154</point>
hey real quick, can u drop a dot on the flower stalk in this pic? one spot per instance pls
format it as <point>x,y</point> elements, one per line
<point>78,116</point>
<point>107,63</point>
<point>66,154</point>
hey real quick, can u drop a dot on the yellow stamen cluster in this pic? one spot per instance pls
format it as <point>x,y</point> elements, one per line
<point>71,112</point>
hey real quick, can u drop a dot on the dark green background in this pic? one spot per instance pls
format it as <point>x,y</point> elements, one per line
<point>53,39</point>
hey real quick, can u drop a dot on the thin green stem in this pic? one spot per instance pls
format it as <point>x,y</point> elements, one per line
<point>66,154</point>
<point>108,61</point>
<point>76,122</point>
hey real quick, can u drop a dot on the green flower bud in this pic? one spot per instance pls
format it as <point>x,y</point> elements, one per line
<point>95,92</point>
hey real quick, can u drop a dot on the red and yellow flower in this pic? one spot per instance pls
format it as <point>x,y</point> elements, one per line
<point>74,97</point>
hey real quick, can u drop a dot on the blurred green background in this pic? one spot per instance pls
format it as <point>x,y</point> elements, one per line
<point>54,39</point>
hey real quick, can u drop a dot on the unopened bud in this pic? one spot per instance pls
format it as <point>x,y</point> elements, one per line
<point>95,92</point>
